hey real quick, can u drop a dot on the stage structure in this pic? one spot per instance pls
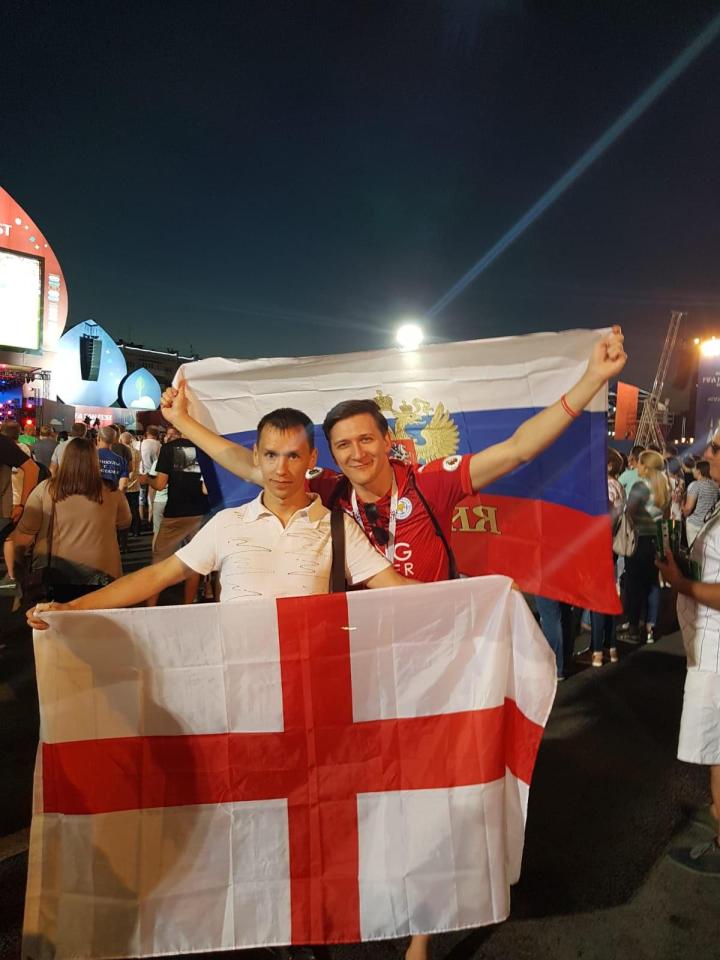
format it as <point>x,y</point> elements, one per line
<point>649,430</point>
<point>89,366</point>
<point>707,397</point>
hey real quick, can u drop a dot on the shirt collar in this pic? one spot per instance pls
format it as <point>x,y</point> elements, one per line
<point>312,513</point>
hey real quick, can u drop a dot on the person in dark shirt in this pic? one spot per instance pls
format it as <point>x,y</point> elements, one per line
<point>187,504</point>
<point>44,447</point>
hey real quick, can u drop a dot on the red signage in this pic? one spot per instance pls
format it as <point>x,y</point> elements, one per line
<point>626,419</point>
<point>33,291</point>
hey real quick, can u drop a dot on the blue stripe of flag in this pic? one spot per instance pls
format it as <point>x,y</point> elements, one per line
<point>571,473</point>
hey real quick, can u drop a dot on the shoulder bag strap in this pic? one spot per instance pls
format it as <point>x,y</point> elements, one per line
<point>51,531</point>
<point>7,472</point>
<point>452,563</point>
<point>337,533</point>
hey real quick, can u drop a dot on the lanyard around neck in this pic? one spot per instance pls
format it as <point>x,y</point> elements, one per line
<point>389,551</point>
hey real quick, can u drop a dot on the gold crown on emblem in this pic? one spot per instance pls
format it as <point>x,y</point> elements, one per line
<point>438,431</point>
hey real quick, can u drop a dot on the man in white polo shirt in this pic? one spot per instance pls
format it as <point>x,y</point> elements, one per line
<point>698,608</point>
<point>278,545</point>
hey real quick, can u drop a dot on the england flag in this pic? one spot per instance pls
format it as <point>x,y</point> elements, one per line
<point>322,769</point>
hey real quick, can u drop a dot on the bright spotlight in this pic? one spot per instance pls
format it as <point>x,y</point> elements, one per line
<point>710,348</point>
<point>409,336</point>
<point>696,341</point>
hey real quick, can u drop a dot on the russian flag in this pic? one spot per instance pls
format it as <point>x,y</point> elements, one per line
<point>546,524</point>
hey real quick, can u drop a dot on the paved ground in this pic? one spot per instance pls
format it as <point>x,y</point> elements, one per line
<point>608,798</point>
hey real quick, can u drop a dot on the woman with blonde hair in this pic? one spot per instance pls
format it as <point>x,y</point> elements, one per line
<point>648,502</point>
<point>72,521</point>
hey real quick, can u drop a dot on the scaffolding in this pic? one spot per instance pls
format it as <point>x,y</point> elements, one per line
<point>649,431</point>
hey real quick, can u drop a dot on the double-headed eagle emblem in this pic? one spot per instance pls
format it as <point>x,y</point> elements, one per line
<point>431,430</point>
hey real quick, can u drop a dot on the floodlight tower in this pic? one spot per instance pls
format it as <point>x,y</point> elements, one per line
<point>649,428</point>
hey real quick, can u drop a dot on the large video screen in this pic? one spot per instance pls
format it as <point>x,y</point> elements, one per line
<point>21,291</point>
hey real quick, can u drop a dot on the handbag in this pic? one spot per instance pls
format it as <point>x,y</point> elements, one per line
<point>37,584</point>
<point>625,535</point>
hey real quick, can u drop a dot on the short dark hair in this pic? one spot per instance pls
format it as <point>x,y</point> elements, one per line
<point>11,429</point>
<point>353,408</point>
<point>615,462</point>
<point>636,451</point>
<point>703,468</point>
<point>286,418</point>
<point>670,449</point>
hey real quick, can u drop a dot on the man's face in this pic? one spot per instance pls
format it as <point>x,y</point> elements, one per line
<point>714,458</point>
<point>284,457</point>
<point>172,434</point>
<point>359,448</point>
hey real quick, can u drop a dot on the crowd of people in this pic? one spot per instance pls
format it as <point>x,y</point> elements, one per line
<point>77,500</point>
<point>649,485</point>
<point>118,480</point>
<point>657,486</point>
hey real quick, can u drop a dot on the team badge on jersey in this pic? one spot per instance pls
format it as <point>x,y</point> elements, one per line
<point>451,463</point>
<point>404,508</point>
<point>314,472</point>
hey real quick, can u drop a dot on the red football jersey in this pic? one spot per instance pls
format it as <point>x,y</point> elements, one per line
<point>419,551</point>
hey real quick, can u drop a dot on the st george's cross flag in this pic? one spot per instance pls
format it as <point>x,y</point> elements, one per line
<point>321,769</point>
<point>546,524</point>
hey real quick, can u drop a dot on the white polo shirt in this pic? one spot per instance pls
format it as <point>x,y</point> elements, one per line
<point>700,625</point>
<point>258,557</point>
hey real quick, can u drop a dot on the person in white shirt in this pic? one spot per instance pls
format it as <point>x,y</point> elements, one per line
<point>278,545</point>
<point>149,449</point>
<point>698,608</point>
<point>78,430</point>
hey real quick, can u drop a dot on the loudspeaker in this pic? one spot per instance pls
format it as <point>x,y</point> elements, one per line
<point>90,356</point>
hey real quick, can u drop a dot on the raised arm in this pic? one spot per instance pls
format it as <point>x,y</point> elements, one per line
<point>536,434</point>
<point>232,456</point>
<point>124,592</point>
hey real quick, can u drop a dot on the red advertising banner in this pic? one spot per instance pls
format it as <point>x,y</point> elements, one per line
<point>626,411</point>
<point>33,294</point>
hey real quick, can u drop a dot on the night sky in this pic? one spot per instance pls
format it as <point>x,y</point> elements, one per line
<point>277,178</point>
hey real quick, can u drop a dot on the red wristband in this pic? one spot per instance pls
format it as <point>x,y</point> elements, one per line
<point>567,408</point>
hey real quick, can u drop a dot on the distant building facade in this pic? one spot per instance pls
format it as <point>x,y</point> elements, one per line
<point>163,364</point>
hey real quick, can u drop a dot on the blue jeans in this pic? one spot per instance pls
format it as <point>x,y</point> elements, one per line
<point>603,631</point>
<point>641,583</point>
<point>556,620</point>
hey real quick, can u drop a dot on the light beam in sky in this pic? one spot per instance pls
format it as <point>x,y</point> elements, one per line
<point>593,153</point>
